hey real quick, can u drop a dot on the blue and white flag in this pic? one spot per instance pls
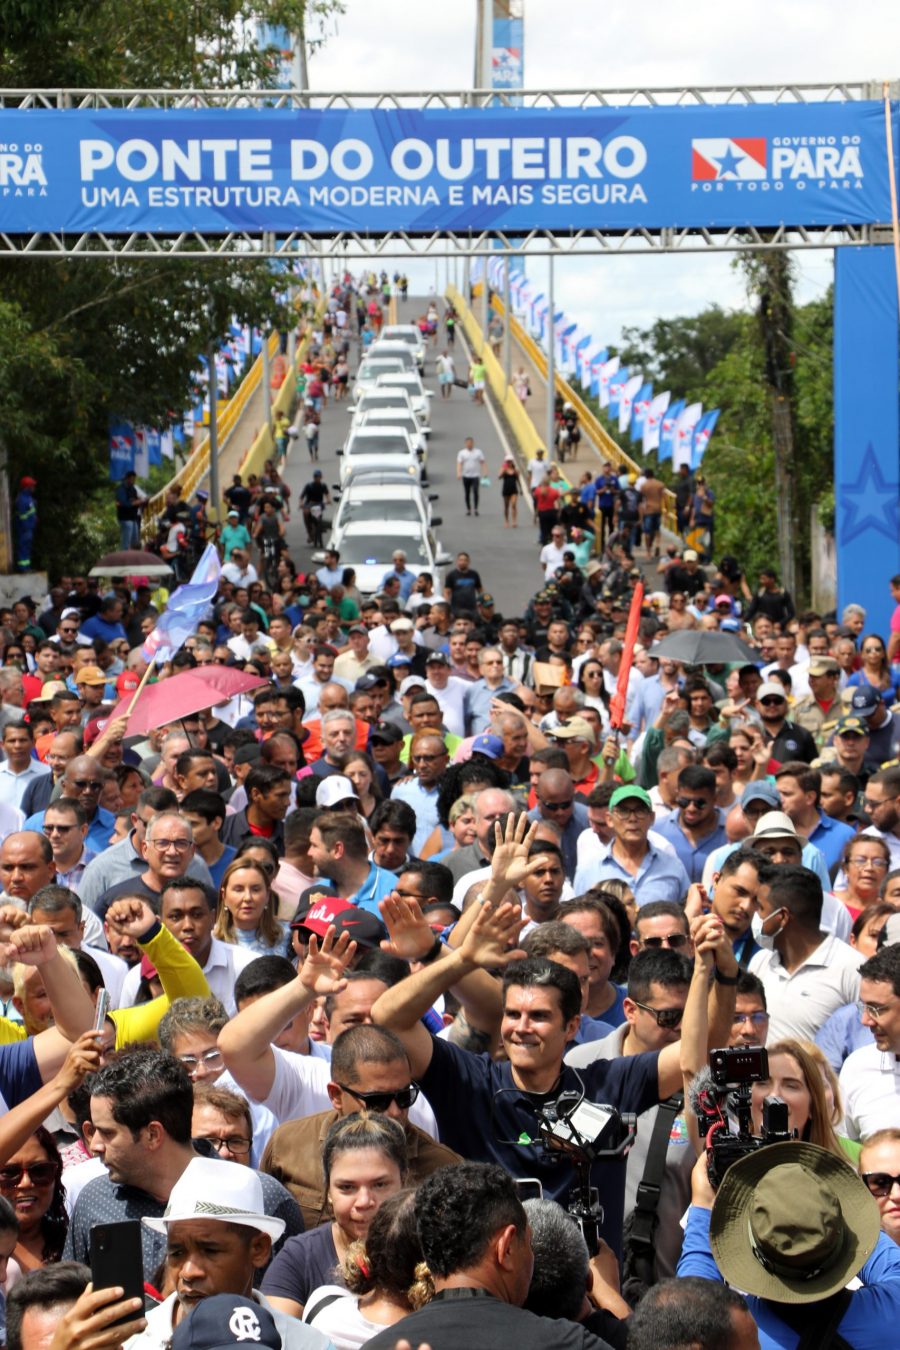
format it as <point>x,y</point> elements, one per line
<point>608,372</point>
<point>187,606</point>
<point>639,408</point>
<point>702,432</point>
<point>121,449</point>
<point>653,421</point>
<point>667,429</point>
<point>629,393</point>
<point>682,446</point>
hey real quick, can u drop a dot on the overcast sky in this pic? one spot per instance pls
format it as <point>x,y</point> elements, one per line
<point>399,45</point>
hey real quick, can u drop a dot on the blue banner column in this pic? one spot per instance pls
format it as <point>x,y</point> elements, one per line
<point>866,431</point>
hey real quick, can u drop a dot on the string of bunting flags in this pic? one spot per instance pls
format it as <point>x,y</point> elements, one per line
<point>672,428</point>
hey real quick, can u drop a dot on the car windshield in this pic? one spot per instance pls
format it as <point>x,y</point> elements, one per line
<point>385,399</point>
<point>361,508</point>
<point>359,549</point>
<point>378,445</point>
<point>402,382</point>
<point>401,337</point>
<point>370,370</point>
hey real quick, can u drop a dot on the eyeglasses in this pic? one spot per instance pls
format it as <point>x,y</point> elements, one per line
<point>235,1143</point>
<point>558,806</point>
<point>699,802</point>
<point>879,864</point>
<point>87,784</point>
<point>873,1010</point>
<point>209,1059</point>
<point>379,1102</point>
<point>674,940</point>
<point>772,701</point>
<point>170,845</point>
<point>58,829</point>
<point>667,1018</point>
<point>41,1174</point>
<point>869,805</point>
<point>638,809</point>
<point>759,1019</point>
<point>880,1183</point>
<point>427,759</point>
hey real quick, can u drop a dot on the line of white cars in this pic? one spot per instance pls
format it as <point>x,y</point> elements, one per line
<point>382,501</point>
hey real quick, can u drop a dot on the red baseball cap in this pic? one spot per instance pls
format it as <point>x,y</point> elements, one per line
<point>127,682</point>
<point>331,910</point>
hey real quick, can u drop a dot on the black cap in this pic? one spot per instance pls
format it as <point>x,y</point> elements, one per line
<point>386,733</point>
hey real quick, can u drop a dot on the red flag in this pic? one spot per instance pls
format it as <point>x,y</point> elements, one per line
<point>617,702</point>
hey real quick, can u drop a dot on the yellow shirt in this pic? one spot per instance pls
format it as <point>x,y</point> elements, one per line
<point>180,976</point>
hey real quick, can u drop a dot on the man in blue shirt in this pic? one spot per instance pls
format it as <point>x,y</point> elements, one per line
<point>107,622</point>
<point>630,857</point>
<point>339,849</point>
<point>799,788</point>
<point>698,826</point>
<point>83,780</point>
<point>556,803</point>
<point>428,758</point>
<point>481,694</point>
<point>402,573</point>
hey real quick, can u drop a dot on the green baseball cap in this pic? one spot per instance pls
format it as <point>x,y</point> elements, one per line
<point>628,792</point>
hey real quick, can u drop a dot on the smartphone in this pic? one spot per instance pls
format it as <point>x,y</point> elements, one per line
<point>101,1010</point>
<point>117,1258</point>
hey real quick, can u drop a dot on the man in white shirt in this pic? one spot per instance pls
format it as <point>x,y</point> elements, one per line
<point>240,570</point>
<point>538,469</point>
<point>188,909</point>
<point>470,465</point>
<point>870,1078</point>
<point>18,770</point>
<point>807,973</point>
<point>353,663</point>
<point>552,554</point>
<point>449,690</point>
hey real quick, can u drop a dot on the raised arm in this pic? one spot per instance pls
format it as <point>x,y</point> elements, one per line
<point>486,945</point>
<point>687,1056</point>
<point>246,1041</point>
<point>70,1003</point>
<point>19,1123</point>
<point>179,973</point>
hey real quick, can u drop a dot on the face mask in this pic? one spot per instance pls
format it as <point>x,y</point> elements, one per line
<point>764,940</point>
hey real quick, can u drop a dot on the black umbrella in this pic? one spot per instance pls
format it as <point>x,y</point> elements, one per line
<point>702,647</point>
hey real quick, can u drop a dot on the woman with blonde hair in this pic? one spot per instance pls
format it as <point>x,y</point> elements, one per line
<point>796,1075</point>
<point>248,908</point>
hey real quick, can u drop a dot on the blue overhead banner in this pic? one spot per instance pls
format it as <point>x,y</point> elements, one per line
<point>211,171</point>
<point>866,431</point>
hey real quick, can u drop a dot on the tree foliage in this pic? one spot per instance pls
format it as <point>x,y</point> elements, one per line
<point>83,339</point>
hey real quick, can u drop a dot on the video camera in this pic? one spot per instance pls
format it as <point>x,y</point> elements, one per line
<point>580,1131</point>
<point>726,1085</point>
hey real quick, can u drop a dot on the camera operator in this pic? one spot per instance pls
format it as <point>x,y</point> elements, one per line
<point>790,1226</point>
<point>489,1112</point>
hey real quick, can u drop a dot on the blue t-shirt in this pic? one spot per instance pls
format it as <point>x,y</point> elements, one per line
<point>217,870</point>
<point>19,1072</point>
<point>483,1116</point>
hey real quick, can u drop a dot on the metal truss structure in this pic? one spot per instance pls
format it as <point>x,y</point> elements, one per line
<point>350,245</point>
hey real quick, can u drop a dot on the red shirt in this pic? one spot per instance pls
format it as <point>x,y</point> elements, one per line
<point>545,497</point>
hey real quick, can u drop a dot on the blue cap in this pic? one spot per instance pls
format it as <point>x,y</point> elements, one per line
<point>486,744</point>
<point>224,1321</point>
<point>761,792</point>
<point>398,659</point>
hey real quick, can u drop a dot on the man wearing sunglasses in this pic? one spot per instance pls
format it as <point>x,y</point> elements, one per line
<point>785,740</point>
<point>698,826</point>
<point>83,781</point>
<point>369,1072</point>
<point>658,984</point>
<point>556,803</point>
<point>662,924</point>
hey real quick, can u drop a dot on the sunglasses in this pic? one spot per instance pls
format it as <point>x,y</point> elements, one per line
<point>880,1183</point>
<point>558,806</point>
<point>758,1019</point>
<point>699,802</point>
<point>379,1102</point>
<point>87,785</point>
<point>41,1173</point>
<point>771,701</point>
<point>674,940</point>
<point>667,1018</point>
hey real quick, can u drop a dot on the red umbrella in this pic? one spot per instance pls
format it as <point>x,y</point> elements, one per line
<point>132,562</point>
<point>182,695</point>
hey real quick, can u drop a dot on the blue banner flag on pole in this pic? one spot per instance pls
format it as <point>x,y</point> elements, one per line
<point>121,449</point>
<point>639,408</point>
<point>667,429</point>
<point>186,607</point>
<point>616,385</point>
<point>702,432</point>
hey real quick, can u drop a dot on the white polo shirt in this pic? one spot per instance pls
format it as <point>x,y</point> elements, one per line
<point>224,964</point>
<point>870,1087</point>
<point>801,1002</point>
<point>300,1089</point>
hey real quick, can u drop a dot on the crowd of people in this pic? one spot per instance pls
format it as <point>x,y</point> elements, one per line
<point>416,951</point>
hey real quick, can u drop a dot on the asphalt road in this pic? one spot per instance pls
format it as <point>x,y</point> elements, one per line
<point>506,559</point>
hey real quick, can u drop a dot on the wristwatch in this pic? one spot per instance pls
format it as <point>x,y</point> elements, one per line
<point>726,979</point>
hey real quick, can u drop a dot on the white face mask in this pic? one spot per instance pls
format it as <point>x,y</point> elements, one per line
<point>764,940</point>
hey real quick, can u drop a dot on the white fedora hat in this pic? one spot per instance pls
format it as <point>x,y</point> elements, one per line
<point>237,1192</point>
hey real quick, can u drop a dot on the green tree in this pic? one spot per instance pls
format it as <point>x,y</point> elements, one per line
<point>86,338</point>
<point>678,354</point>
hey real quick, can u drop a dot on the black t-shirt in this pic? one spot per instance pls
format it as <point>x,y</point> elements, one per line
<point>304,1262</point>
<point>463,588</point>
<point>458,1317</point>
<point>793,742</point>
<point>133,886</point>
<point>314,493</point>
<point>483,1116</point>
<point>240,498</point>
<point>689,583</point>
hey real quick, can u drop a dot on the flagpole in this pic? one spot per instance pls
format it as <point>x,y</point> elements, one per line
<point>137,693</point>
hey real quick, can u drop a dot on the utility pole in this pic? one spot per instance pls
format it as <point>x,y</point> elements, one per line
<point>507,317</point>
<point>484,41</point>
<point>213,432</point>
<point>551,362</point>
